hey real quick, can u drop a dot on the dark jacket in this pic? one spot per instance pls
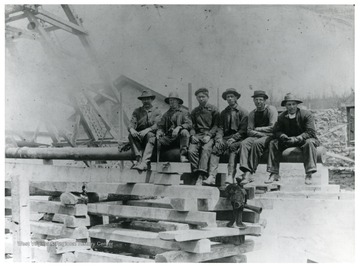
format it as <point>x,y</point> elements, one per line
<point>205,120</point>
<point>173,118</point>
<point>304,120</point>
<point>239,129</point>
<point>142,119</point>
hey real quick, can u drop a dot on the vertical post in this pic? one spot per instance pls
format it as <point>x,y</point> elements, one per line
<point>21,218</point>
<point>218,98</point>
<point>190,96</point>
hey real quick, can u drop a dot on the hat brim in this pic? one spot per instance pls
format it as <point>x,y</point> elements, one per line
<point>238,95</point>
<point>283,103</point>
<point>260,95</point>
<point>180,100</point>
<point>152,97</point>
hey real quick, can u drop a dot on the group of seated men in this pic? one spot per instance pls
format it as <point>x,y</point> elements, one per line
<point>205,134</point>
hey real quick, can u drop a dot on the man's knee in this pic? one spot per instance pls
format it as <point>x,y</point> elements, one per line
<point>184,133</point>
<point>274,144</point>
<point>310,143</point>
<point>150,137</point>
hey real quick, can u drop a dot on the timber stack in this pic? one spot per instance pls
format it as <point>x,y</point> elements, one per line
<point>96,214</point>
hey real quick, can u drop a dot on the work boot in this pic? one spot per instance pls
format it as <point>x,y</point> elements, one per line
<point>230,179</point>
<point>183,155</point>
<point>239,222</point>
<point>308,179</point>
<point>141,166</point>
<point>209,181</point>
<point>273,177</point>
<point>246,178</point>
<point>199,180</point>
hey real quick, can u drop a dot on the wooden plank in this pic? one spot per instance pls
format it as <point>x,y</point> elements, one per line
<point>173,167</point>
<point>156,203</point>
<point>235,240</point>
<point>217,251</point>
<point>248,216</point>
<point>72,199</point>
<point>59,230</point>
<point>95,256</point>
<point>64,245</point>
<point>232,259</point>
<point>40,254</point>
<point>144,238</point>
<point>188,235</point>
<point>75,174</point>
<point>166,179</point>
<point>58,208</point>
<point>138,189</point>
<point>72,221</point>
<point>160,214</point>
<point>184,204</point>
<point>21,219</point>
<point>160,226</point>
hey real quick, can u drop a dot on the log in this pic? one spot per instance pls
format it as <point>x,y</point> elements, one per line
<point>72,199</point>
<point>144,238</point>
<point>58,208</point>
<point>95,256</point>
<point>58,230</point>
<point>139,189</point>
<point>160,226</point>
<point>159,214</point>
<point>235,240</point>
<point>188,235</point>
<point>64,245</point>
<point>217,252</point>
<point>72,221</point>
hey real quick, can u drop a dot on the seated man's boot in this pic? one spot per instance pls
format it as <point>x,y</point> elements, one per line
<point>273,177</point>
<point>141,166</point>
<point>199,180</point>
<point>308,179</point>
<point>183,155</point>
<point>210,180</point>
<point>246,178</point>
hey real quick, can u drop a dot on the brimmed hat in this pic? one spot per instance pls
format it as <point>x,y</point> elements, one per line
<point>146,94</point>
<point>202,90</point>
<point>260,93</point>
<point>173,95</point>
<point>232,91</point>
<point>290,97</point>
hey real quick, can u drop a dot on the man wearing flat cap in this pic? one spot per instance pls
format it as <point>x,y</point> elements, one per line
<point>231,131</point>
<point>295,128</point>
<point>259,131</point>
<point>205,119</point>
<point>142,129</point>
<point>174,126</point>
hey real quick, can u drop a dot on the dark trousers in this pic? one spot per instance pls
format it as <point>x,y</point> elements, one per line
<point>251,150</point>
<point>146,143</point>
<point>308,148</point>
<point>221,148</point>
<point>182,139</point>
<point>199,154</point>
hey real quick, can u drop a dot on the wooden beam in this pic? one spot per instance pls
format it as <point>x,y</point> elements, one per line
<point>59,230</point>
<point>187,235</point>
<point>72,199</point>
<point>144,238</point>
<point>21,218</point>
<point>160,214</point>
<point>72,221</point>
<point>57,207</point>
<point>63,245</point>
<point>96,256</point>
<point>217,252</point>
<point>15,18</point>
<point>232,259</point>
<point>248,216</point>
<point>160,226</point>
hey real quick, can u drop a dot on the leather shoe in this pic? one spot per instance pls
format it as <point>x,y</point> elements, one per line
<point>209,181</point>
<point>273,177</point>
<point>308,178</point>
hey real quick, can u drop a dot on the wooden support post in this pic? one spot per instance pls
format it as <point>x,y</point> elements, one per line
<point>21,219</point>
<point>190,97</point>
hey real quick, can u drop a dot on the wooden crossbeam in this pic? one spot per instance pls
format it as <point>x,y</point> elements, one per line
<point>58,230</point>
<point>63,245</point>
<point>15,18</point>
<point>160,226</point>
<point>217,252</point>
<point>159,214</point>
<point>95,256</point>
<point>57,207</point>
<point>187,235</point>
<point>114,233</point>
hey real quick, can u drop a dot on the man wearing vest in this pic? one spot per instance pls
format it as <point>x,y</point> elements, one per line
<point>142,129</point>
<point>174,126</point>
<point>231,131</point>
<point>260,132</point>
<point>295,128</point>
<point>205,119</point>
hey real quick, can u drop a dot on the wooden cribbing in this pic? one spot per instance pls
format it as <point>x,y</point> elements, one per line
<point>160,226</point>
<point>217,252</point>
<point>72,199</point>
<point>188,235</point>
<point>59,230</point>
<point>63,245</point>
<point>139,189</point>
<point>95,256</point>
<point>144,238</point>
<point>57,207</point>
<point>72,221</point>
<point>148,213</point>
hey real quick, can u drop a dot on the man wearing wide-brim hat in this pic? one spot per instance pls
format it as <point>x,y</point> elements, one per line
<point>295,128</point>
<point>142,129</point>
<point>260,132</point>
<point>231,131</point>
<point>174,126</point>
